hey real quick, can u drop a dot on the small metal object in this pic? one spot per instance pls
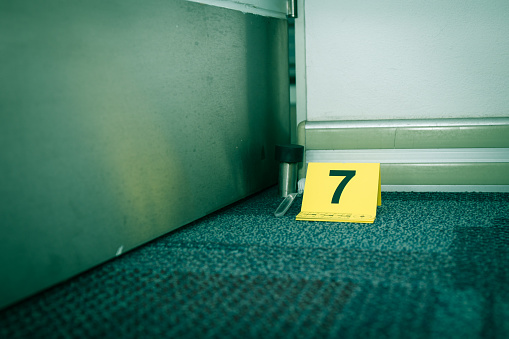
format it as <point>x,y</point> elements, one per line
<point>288,201</point>
<point>285,205</point>
<point>289,157</point>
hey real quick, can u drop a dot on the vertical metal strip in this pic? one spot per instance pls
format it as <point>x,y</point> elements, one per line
<point>292,8</point>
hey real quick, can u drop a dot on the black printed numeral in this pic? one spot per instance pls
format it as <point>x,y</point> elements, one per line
<point>348,175</point>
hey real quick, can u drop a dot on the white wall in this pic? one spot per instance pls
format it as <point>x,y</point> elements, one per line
<point>406,59</point>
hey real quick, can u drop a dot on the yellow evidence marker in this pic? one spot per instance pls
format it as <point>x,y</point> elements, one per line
<point>341,192</point>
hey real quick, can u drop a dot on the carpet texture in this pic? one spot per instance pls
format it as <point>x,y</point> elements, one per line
<point>433,265</point>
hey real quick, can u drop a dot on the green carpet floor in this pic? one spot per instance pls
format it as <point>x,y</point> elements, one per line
<point>433,265</point>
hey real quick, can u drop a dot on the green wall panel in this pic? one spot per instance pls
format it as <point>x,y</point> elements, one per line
<point>123,120</point>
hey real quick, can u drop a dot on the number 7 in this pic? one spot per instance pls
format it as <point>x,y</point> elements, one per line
<point>340,173</point>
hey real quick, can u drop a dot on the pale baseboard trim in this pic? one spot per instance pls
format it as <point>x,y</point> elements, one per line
<point>456,122</point>
<point>450,155</point>
<point>410,156</point>
<point>446,188</point>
